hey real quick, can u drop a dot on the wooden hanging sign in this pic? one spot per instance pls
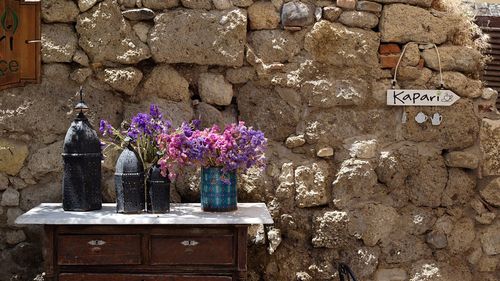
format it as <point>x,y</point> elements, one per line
<point>20,60</point>
<point>403,97</point>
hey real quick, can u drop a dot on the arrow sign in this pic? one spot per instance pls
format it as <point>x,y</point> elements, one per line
<point>421,97</point>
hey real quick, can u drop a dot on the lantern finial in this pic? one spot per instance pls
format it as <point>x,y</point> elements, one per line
<point>81,105</point>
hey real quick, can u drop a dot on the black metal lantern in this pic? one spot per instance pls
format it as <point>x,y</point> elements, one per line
<point>129,182</point>
<point>158,192</point>
<point>82,157</point>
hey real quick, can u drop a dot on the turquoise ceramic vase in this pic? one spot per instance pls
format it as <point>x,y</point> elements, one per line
<point>218,190</point>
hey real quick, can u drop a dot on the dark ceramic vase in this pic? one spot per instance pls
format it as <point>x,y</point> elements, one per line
<point>157,192</point>
<point>218,190</point>
<point>129,183</point>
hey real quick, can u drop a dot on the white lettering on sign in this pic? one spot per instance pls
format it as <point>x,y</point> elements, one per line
<point>421,97</point>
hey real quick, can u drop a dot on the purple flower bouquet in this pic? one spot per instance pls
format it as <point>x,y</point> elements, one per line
<point>141,134</point>
<point>221,154</point>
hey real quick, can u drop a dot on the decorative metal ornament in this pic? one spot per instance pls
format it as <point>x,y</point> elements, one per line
<point>129,182</point>
<point>82,157</point>
<point>436,119</point>
<point>421,118</point>
<point>158,192</point>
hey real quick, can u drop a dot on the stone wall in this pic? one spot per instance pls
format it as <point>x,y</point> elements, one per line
<point>347,179</point>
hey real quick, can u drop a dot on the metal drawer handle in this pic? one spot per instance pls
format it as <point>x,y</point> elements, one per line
<point>96,242</point>
<point>190,243</point>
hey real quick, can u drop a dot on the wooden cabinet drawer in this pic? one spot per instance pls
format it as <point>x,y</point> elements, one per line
<point>137,277</point>
<point>99,249</point>
<point>196,250</point>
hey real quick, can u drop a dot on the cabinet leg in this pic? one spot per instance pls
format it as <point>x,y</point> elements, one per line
<point>242,276</point>
<point>48,253</point>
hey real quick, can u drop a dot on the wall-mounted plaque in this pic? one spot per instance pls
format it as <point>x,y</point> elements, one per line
<point>20,60</point>
<point>421,97</point>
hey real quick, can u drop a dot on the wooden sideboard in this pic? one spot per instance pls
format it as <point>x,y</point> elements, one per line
<point>183,245</point>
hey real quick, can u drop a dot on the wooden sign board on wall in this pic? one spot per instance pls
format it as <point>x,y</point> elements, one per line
<point>20,60</point>
<point>405,97</point>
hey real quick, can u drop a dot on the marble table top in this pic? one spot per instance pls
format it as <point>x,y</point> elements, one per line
<point>180,214</point>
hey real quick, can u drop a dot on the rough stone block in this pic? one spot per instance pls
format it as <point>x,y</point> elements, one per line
<point>4,180</point>
<point>258,105</point>
<point>177,112</point>
<point>335,44</point>
<point>123,79</point>
<point>10,198</point>
<point>240,75</point>
<point>331,13</point>
<point>59,11</point>
<point>359,19</point>
<point>295,141</point>
<point>297,14</point>
<point>411,56</point>
<point>403,23</point>
<point>311,183</point>
<point>458,129</point>
<point>362,147</point>
<point>490,240</point>
<point>327,93</point>
<point>165,82</point>
<point>80,75</point>
<point>329,229</point>
<point>14,237</point>
<point>391,274</point>
<point>373,222</point>
<point>214,89</point>
<point>491,192</point>
<point>420,176</point>
<point>160,4</point>
<point>355,179</point>
<point>59,43</point>
<point>85,5</point>
<point>453,58</point>
<point>369,6</point>
<point>347,4</point>
<point>222,4</point>
<point>197,4</point>
<point>490,146</point>
<point>12,214</point>
<point>12,155</point>
<point>200,37</point>
<point>81,58</point>
<point>462,235</point>
<point>459,189</point>
<point>462,159</point>
<point>209,115</point>
<point>100,39</point>
<point>325,152</point>
<point>270,50</point>
<point>263,15</point>
<point>47,159</point>
<point>440,271</point>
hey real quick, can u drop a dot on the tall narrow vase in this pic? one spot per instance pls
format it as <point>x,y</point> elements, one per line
<point>218,190</point>
<point>157,192</point>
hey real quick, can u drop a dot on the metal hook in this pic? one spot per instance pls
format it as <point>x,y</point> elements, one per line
<point>32,41</point>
